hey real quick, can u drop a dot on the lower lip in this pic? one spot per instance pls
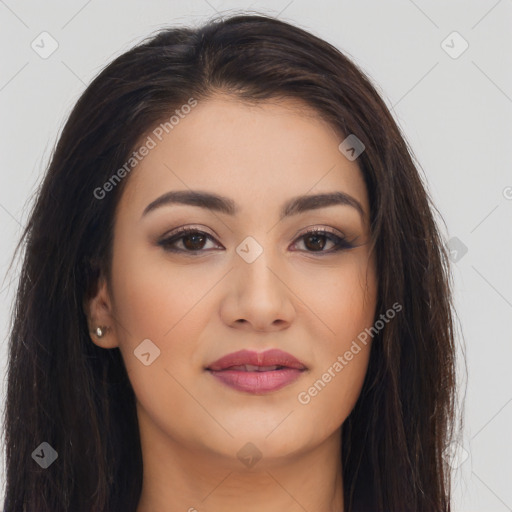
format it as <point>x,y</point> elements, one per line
<point>257,382</point>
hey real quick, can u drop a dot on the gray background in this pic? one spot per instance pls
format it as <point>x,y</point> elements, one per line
<point>455,113</point>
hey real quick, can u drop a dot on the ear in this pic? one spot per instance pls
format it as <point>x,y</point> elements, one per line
<point>98,310</point>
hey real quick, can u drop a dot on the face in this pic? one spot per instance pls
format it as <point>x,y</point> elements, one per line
<point>251,275</point>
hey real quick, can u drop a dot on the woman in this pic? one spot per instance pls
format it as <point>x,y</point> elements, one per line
<point>234,294</point>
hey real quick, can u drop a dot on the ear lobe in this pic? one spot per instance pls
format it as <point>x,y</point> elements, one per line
<point>98,310</point>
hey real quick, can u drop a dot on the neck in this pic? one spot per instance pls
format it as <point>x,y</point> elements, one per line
<point>178,478</point>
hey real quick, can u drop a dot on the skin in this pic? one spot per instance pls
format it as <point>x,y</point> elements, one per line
<point>197,308</point>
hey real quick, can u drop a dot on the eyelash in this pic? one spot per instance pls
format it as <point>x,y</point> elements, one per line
<point>340,242</point>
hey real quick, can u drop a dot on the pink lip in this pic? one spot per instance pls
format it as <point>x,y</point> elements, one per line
<point>257,381</point>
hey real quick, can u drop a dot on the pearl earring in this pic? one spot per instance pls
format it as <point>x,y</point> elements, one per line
<point>100,331</point>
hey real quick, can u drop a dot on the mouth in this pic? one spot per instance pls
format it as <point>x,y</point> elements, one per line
<point>255,368</point>
<point>257,373</point>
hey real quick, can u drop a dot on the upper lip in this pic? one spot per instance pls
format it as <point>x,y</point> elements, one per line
<point>272,357</point>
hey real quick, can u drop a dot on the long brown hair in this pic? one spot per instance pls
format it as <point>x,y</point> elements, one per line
<point>64,390</point>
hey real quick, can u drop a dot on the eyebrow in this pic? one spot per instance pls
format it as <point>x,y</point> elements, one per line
<point>226,205</point>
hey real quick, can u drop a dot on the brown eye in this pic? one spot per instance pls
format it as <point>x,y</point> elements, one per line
<point>192,241</point>
<point>317,239</point>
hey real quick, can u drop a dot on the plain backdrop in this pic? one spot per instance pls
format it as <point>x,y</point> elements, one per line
<point>444,68</point>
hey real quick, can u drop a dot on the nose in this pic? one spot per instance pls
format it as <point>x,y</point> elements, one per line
<point>258,298</point>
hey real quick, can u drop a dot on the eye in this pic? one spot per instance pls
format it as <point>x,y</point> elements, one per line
<point>191,239</point>
<point>315,240</point>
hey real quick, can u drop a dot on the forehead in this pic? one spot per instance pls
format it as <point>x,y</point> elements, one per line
<point>258,153</point>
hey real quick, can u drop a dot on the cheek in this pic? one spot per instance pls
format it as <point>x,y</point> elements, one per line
<point>346,304</point>
<point>342,298</point>
<point>153,296</point>
<point>160,302</point>
<point>328,398</point>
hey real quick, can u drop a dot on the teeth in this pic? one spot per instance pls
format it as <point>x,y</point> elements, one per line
<point>253,368</point>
